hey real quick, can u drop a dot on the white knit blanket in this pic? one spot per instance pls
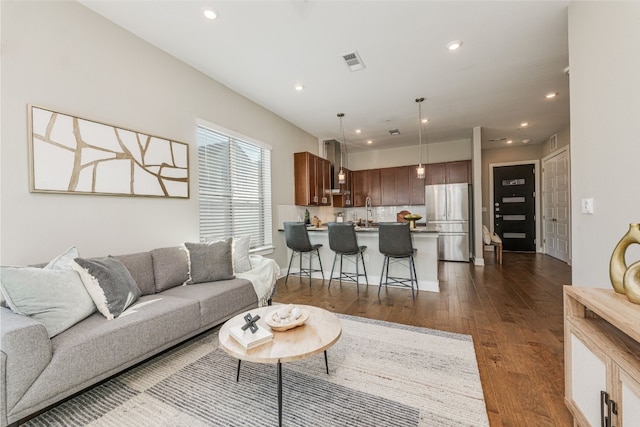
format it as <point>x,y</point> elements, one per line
<point>263,275</point>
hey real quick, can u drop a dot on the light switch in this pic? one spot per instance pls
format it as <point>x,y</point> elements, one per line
<point>587,206</point>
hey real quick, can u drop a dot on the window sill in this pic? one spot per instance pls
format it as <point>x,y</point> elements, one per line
<point>263,250</point>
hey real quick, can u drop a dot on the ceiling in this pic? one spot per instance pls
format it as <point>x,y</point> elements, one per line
<point>513,53</point>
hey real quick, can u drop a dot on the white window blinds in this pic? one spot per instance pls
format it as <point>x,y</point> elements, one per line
<point>234,179</point>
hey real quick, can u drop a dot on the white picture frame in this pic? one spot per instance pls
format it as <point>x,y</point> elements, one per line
<point>73,155</point>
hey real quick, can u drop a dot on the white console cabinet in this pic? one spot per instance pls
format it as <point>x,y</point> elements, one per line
<point>602,357</point>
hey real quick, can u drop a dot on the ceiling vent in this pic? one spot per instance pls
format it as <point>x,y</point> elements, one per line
<point>394,131</point>
<point>353,61</point>
<point>504,138</point>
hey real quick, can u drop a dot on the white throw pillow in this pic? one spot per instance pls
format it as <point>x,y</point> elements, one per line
<point>486,235</point>
<point>53,295</point>
<point>240,249</point>
<point>241,260</point>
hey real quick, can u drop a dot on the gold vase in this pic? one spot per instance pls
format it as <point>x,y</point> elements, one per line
<point>631,282</point>
<point>617,265</point>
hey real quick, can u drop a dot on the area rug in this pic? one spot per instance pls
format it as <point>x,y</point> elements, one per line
<point>381,374</point>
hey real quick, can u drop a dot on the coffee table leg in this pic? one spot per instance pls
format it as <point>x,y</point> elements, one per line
<point>238,371</point>
<point>279,394</point>
<point>326,362</point>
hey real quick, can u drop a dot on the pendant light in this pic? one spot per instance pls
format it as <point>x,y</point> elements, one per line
<point>420,170</point>
<point>342,177</point>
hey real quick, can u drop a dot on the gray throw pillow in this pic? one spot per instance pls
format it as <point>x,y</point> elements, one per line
<point>209,262</point>
<point>170,267</point>
<point>54,297</point>
<point>109,284</point>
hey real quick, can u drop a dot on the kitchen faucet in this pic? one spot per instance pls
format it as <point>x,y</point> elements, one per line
<point>367,206</point>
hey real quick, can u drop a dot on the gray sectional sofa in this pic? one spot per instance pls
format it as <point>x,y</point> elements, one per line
<point>38,371</point>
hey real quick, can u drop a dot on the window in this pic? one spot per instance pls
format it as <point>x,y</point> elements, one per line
<point>234,177</point>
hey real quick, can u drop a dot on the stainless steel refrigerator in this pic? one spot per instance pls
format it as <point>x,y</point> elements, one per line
<point>447,207</point>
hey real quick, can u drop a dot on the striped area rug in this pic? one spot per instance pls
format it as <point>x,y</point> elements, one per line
<point>381,374</point>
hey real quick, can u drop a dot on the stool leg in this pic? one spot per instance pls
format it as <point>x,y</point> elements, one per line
<point>320,262</point>
<point>386,259</point>
<point>310,272</point>
<point>333,268</point>
<point>340,270</point>
<point>289,269</point>
<point>364,267</point>
<point>357,275</point>
<point>411,273</point>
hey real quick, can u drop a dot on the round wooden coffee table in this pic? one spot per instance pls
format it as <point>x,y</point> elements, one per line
<point>316,335</point>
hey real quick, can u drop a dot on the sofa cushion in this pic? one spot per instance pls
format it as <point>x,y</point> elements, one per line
<point>56,298</point>
<point>210,262</point>
<point>97,348</point>
<point>218,300</point>
<point>109,284</point>
<point>170,267</point>
<point>140,265</point>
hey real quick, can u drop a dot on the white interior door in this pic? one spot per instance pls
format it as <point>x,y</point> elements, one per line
<point>555,206</point>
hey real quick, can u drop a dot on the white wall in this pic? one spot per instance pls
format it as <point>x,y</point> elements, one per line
<point>447,151</point>
<point>63,56</point>
<point>605,153</point>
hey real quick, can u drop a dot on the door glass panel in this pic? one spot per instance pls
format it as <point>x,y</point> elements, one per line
<point>514,217</point>
<point>514,235</point>
<point>513,200</point>
<point>519,181</point>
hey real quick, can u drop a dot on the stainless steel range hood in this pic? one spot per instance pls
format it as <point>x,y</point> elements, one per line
<point>333,152</point>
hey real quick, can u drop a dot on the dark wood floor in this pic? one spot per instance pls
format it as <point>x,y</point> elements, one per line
<point>513,311</point>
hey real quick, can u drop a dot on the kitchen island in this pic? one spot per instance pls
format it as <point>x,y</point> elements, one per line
<point>425,241</point>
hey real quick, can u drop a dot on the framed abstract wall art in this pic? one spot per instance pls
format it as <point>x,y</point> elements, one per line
<point>72,155</point>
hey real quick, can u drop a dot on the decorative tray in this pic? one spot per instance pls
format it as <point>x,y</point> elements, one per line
<point>286,325</point>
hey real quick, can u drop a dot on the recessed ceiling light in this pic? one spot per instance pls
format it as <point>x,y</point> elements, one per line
<point>524,124</point>
<point>509,141</point>
<point>526,141</point>
<point>454,45</point>
<point>425,120</point>
<point>551,95</point>
<point>358,130</point>
<point>299,87</point>
<point>369,142</point>
<point>211,13</point>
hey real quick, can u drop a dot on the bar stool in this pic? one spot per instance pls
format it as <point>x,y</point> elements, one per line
<point>343,241</point>
<point>297,239</point>
<point>395,244</point>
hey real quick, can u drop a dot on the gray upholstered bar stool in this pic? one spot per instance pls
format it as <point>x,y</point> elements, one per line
<point>343,241</point>
<point>394,241</point>
<point>297,239</point>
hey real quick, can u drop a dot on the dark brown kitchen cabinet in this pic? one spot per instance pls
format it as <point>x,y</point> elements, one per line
<point>394,186</point>
<point>312,180</point>
<point>435,174</point>
<point>458,172</point>
<point>448,172</point>
<point>366,183</point>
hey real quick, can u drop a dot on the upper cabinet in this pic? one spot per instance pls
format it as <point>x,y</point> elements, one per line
<point>366,183</point>
<point>448,173</point>
<point>458,172</point>
<point>394,186</point>
<point>312,176</point>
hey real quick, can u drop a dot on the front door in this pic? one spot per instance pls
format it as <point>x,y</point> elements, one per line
<point>514,207</point>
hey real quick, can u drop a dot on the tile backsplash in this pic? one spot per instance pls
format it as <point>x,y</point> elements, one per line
<point>328,213</point>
